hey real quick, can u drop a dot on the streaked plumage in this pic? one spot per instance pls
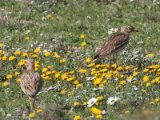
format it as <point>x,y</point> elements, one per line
<point>31,82</point>
<point>115,44</point>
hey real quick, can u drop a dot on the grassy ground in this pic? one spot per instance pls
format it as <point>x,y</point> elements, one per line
<point>61,36</point>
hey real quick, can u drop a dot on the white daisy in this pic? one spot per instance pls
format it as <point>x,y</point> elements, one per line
<point>112,100</point>
<point>91,102</point>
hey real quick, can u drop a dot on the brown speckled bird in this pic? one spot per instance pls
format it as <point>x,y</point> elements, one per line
<point>115,44</point>
<point>31,82</point>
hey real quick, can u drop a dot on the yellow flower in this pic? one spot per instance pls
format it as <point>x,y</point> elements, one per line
<point>17,52</point>
<point>5,83</point>
<point>129,79</point>
<point>77,117</point>
<point>71,72</point>
<point>4,58</point>
<point>103,70</point>
<point>154,66</point>
<point>79,85</point>
<point>114,65</point>
<point>156,100</point>
<point>18,80</point>
<point>27,38</point>
<point>34,56</point>
<point>43,76</point>
<point>64,76</point>
<point>82,36</point>
<point>1,45</point>
<point>76,82</point>
<point>96,111</point>
<point>38,110</point>
<point>75,103</point>
<point>101,85</point>
<point>44,70</point>
<point>16,73</point>
<point>9,76</point>
<point>84,103</point>
<point>70,93</point>
<point>49,67</point>
<point>21,62</point>
<point>98,116</point>
<point>24,54</point>
<point>49,16</point>
<point>100,97</point>
<point>148,84</point>
<point>62,60</point>
<point>144,91</point>
<point>135,74</point>
<point>63,91</point>
<point>37,50</point>
<point>32,114</point>
<point>156,80</point>
<point>127,67</point>
<point>82,71</point>
<point>54,71</point>
<point>47,54</point>
<point>119,68</point>
<point>151,103</point>
<point>36,64</point>
<point>97,81</point>
<point>150,55</point>
<point>146,70</point>
<point>88,60</point>
<point>11,58</point>
<point>108,76</point>
<point>3,52</point>
<point>91,65</point>
<point>145,78</point>
<point>104,82</point>
<point>122,82</point>
<point>70,79</point>
<point>48,72</point>
<point>135,69</point>
<point>57,74</point>
<point>126,112</point>
<point>56,55</point>
<point>83,44</point>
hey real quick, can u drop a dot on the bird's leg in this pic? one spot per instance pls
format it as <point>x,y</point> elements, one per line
<point>114,59</point>
<point>32,101</point>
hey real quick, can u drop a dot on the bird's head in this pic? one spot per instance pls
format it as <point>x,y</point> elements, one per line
<point>29,63</point>
<point>128,29</point>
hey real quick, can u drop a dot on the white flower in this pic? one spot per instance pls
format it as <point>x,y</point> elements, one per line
<point>131,0</point>
<point>91,102</point>
<point>28,31</point>
<point>90,78</point>
<point>112,100</point>
<point>95,89</point>
<point>135,88</point>
<point>50,88</point>
<point>9,115</point>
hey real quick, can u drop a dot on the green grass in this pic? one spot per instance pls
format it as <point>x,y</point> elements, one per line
<point>22,20</point>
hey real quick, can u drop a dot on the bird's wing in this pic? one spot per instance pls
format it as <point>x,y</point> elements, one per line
<point>37,82</point>
<point>31,83</point>
<point>113,45</point>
